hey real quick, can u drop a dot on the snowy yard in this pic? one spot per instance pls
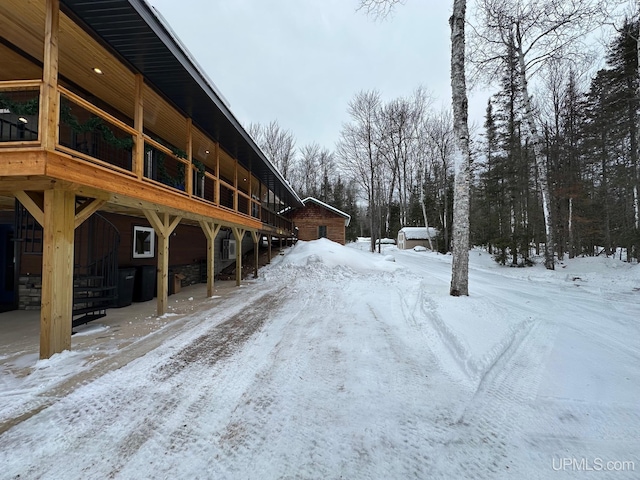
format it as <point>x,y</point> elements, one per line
<point>339,363</point>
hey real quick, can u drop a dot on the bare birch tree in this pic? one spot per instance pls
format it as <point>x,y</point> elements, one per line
<point>442,145</point>
<point>278,145</point>
<point>359,155</point>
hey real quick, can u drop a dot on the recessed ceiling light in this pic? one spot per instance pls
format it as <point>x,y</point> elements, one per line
<point>23,120</point>
<point>97,70</point>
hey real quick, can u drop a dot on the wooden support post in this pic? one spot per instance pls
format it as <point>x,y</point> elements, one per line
<point>256,251</point>
<point>238,233</point>
<point>210,230</point>
<point>50,98</point>
<point>57,272</point>
<point>163,227</point>
<point>55,210</point>
<point>138,124</point>
<point>269,238</point>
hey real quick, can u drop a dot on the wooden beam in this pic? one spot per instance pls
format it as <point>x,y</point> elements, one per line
<point>210,230</point>
<point>22,161</point>
<point>238,233</point>
<point>138,125</point>
<point>50,98</point>
<point>164,227</point>
<point>88,208</point>
<point>10,185</point>
<point>91,179</point>
<point>34,203</point>
<point>57,272</point>
<point>256,251</point>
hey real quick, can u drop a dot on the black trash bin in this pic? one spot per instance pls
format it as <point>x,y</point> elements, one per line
<point>145,283</point>
<point>126,277</point>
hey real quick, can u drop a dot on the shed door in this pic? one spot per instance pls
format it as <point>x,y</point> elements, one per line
<point>322,231</point>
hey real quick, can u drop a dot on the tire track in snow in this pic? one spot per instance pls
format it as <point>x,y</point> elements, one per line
<point>250,425</point>
<point>276,411</point>
<point>490,428</point>
<point>185,368</point>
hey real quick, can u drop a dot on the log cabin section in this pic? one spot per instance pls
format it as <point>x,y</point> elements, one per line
<point>103,110</point>
<point>316,219</point>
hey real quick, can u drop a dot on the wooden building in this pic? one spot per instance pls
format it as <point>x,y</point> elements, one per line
<point>317,219</point>
<point>116,151</point>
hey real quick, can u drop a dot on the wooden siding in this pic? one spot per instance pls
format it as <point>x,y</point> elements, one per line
<point>312,216</point>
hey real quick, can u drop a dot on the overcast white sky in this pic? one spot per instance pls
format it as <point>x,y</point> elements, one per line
<point>301,61</point>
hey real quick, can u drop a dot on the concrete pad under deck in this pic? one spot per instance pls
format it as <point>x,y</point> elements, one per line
<point>123,329</point>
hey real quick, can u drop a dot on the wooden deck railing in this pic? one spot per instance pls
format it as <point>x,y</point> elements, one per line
<point>87,132</point>
<point>19,113</point>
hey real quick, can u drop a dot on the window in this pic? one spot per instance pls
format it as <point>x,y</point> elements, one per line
<point>322,231</point>
<point>143,242</point>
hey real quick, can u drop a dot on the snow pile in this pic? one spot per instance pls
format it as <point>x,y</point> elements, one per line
<point>330,254</point>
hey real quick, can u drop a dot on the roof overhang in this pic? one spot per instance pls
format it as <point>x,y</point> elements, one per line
<point>137,34</point>
<point>347,217</point>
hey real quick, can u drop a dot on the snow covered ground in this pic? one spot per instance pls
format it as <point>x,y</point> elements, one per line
<point>338,363</point>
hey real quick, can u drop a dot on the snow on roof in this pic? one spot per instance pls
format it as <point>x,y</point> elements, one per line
<point>329,207</point>
<point>417,233</point>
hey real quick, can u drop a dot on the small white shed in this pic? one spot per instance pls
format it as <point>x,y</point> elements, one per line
<point>409,237</point>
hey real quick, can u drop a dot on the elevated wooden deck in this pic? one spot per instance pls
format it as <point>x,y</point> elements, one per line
<point>75,139</point>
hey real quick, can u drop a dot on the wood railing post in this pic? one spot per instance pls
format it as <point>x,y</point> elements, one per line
<point>189,167</point>
<point>217,185</point>
<point>50,101</point>
<point>235,185</point>
<point>138,125</point>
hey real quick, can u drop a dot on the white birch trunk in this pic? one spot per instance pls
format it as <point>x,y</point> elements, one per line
<point>462,155</point>
<point>541,165</point>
